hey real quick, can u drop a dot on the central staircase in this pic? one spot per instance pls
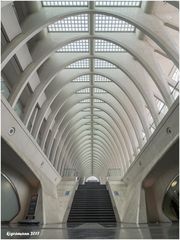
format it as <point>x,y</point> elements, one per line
<point>92,203</point>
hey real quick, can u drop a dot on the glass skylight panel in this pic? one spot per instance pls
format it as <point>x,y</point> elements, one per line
<point>79,64</point>
<point>85,101</point>
<point>105,23</point>
<point>118,3</point>
<point>98,101</point>
<point>96,109</point>
<point>78,23</point>
<point>152,127</point>
<point>103,64</point>
<point>99,78</point>
<point>99,90</point>
<point>86,110</point>
<point>162,108</point>
<point>84,90</point>
<point>105,46</point>
<point>84,78</point>
<point>149,116</point>
<point>77,46</point>
<point>64,3</point>
<point>174,92</point>
<point>175,75</point>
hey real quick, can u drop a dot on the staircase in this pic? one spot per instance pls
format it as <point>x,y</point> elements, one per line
<point>91,203</point>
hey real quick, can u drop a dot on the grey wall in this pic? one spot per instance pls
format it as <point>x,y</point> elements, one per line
<point>10,205</point>
<point>23,190</point>
<point>23,179</point>
<point>157,181</point>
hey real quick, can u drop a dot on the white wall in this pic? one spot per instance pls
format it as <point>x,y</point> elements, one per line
<point>23,189</point>
<point>65,200</point>
<point>131,205</point>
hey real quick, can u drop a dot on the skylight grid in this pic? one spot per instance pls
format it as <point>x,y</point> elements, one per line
<point>99,64</point>
<point>84,78</point>
<point>77,46</point>
<point>99,90</point>
<point>174,92</point>
<point>84,90</point>
<point>99,78</point>
<point>85,101</point>
<point>64,3</point>
<point>79,64</point>
<point>162,108</point>
<point>105,23</point>
<point>86,110</point>
<point>118,3</point>
<point>176,75</point>
<point>98,101</point>
<point>78,23</point>
<point>105,46</point>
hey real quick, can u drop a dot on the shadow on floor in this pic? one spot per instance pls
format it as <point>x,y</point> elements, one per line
<point>92,231</point>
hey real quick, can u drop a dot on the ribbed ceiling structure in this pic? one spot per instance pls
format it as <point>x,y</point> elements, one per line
<point>97,79</point>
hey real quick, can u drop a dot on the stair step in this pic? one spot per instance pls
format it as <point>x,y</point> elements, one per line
<point>91,203</point>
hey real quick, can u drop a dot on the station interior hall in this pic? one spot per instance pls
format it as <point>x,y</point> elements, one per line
<point>90,119</point>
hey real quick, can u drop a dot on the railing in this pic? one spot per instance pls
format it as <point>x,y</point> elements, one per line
<point>114,172</point>
<point>70,172</point>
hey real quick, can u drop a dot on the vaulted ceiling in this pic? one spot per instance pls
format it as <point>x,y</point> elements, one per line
<point>91,81</point>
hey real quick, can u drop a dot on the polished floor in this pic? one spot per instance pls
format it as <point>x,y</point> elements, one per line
<point>92,231</point>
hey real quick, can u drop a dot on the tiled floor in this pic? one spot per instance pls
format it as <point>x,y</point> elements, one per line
<point>92,231</point>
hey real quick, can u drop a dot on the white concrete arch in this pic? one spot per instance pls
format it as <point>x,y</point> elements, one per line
<point>88,149</point>
<point>120,99</point>
<point>57,142</point>
<point>99,147</point>
<point>59,124</point>
<point>68,123</point>
<point>25,75</point>
<point>148,24</point>
<point>100,139</point>
<point>102,131</point>
<point>77,143</point>
<point>71,132</point>
<point>36,130</point>
<point>109,116</point>
<point>70,136</point>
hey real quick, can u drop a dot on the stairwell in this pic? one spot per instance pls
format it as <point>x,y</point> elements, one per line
<point>92,203</point>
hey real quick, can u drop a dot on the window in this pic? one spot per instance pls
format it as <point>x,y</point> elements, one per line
<point>99,78</point>
<point>105,23</point>
<point>105,46</point>
<point>84,78</point>
<point>80,64</point>
<point>77,46</point>
<point>103,64</point>
<point>84,90</point>
<point>78,23</point>
<point>64,3</point>
<point>118,3</point>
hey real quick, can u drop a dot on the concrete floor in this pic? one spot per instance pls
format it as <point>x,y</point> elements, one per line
<point>92,231</point>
